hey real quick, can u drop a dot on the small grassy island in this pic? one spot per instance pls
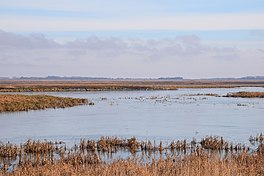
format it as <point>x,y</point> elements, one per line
<point>17,102</point>
<point>246,95</point>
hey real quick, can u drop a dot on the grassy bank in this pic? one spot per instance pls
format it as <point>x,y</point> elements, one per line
<point>209,156</point>
<point>11,103</point>
<point>56,86</point>
<point>246,94</point>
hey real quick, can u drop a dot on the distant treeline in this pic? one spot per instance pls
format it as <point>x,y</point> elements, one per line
<point>170,78</point>
<point>241,78</point>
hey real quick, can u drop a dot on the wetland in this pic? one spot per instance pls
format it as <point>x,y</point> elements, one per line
<point>137,132</point>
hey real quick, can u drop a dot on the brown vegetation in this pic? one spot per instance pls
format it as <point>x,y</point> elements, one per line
<point>52,86</point>
<point>246,94</point>
<point>207,94</point>
<point>10,102</point>
<point>210,156</point>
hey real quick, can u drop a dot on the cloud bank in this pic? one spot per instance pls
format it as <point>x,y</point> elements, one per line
<point>186,55</point>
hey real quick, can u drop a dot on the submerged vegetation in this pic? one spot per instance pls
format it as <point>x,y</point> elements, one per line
<point>247,94</point>
<point>106,156</point>
<point>11,103</point>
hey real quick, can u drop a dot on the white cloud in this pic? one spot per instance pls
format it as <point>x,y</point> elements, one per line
<point>186,56</point>
<point>32,41</point>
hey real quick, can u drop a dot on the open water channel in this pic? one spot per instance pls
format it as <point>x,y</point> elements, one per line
<point>154,115</point>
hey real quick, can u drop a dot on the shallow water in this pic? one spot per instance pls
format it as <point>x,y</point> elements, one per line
<point>159,115</point>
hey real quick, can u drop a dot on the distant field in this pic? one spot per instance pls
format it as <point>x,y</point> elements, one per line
<point>54,86</point>
<point>11,103</point>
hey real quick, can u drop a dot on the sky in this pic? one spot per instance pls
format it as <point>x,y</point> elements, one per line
<point>132,39</point>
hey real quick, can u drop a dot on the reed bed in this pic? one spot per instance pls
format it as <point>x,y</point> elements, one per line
<point>11,103</point>
<point>98,85</point>
<point>207,94</point>
<point>246,94</point>
<point>210,156</point>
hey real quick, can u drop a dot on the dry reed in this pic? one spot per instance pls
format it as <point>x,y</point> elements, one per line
<point>54,86</point>
<point>210,156</point>
<point>11,103</point>
<point>246,94</point>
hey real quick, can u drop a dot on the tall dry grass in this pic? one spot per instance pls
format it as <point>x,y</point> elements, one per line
<point>206,157</point>
<point>10,102</point>
<point>246,94</point>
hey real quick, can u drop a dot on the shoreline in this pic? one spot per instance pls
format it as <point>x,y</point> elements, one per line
<point>65,86</point>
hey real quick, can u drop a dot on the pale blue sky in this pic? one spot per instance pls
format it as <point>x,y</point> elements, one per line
<point>212,34</point>
<point>62,7</point>
<point>116,15</point>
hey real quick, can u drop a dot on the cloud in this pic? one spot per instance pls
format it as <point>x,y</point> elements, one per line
<point>186,55</point>
<point>32,41</point>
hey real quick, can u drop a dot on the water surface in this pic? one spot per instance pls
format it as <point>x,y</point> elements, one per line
<point>160,115</point>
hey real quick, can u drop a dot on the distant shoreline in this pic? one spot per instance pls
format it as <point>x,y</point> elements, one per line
<point>119,85</point>
<point>81,78</point>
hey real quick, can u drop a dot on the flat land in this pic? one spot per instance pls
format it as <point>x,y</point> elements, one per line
<point>97,85</point>
<point>11,103</point>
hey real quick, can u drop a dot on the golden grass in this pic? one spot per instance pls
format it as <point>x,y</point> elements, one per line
<point>243,164</point>
<point>207,157</point>
<point>53,86</point>
<point>246,94</point>
<point>11,103</point>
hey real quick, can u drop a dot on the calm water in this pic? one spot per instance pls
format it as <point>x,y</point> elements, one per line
<point>160,115</point>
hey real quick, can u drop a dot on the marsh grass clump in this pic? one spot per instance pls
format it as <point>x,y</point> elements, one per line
<point>214,143</point>
<point>246,95</point>
<point>88,158</point>
<point>17,102</point>
<point>258,139</point>
<point>207,94</point>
